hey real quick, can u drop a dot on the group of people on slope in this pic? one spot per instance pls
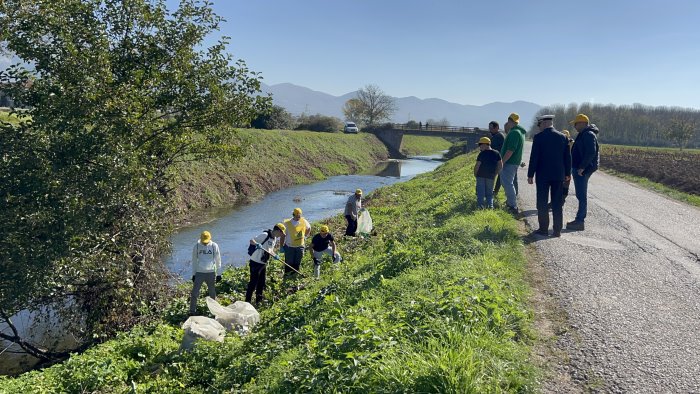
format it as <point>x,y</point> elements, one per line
<point>554,160</point>
<point>291,235</point>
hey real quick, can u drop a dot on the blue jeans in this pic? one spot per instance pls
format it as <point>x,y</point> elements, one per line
<point>581,186</point>
<point>507,176</point>
<point>484,192</point>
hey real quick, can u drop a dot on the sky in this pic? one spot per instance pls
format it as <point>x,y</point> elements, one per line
<point>475,52</point>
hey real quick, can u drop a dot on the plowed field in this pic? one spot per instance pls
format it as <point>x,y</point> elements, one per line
<point>677,169</point>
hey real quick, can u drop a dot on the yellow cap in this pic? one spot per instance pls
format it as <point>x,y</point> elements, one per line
<point>566,133</point>
<point>484,140</point>
<point>205,237</point>
<point>324,229</point>
<point>514,117</point>
<point>358,191</point>
<point>580,118</point>
<point>296,211</point>
<point>281,228</point>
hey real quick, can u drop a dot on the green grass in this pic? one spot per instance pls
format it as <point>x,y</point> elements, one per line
<point>435,302</point>
<point>419,145</point>
<point>688,198</point>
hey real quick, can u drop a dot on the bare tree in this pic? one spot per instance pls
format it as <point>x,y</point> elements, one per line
<point>376,106</point>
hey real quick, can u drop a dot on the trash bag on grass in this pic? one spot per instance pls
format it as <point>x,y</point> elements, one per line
<point>364,223</point>
<point>201,327</point>
<point>239,316</point>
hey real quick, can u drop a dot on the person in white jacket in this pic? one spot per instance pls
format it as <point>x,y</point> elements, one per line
<point>206,267</point>
<point>263,245</point>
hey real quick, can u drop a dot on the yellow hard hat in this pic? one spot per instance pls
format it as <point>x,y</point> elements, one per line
<point>358,191</point>
<point>514,117</point>
<point>484,140</point>
<point>296,211</point>
<point>281,228</point>
<point>205,237</point>
<point>324,229</point>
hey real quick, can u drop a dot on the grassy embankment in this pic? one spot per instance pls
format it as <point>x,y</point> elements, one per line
<point>435,302</point>
<point>273,160</point>
<point>415,145</point>
<point>667,171</point>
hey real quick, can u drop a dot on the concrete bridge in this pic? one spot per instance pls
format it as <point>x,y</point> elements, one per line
<point>392,135</point>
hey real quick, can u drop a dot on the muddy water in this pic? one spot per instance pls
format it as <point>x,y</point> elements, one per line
<point>232,228</point>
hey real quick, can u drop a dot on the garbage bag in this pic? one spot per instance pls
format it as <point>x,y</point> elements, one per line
<point>239,316</point>
<point>201,327</point>
<point>364,223</point>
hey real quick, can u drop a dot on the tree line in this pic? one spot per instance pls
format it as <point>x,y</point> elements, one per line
<point>636,124</point>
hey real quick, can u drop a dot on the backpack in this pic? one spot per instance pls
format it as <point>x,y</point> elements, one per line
<point>252,248</point>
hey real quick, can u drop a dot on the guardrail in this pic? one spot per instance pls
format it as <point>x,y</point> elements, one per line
<point>429,127</point>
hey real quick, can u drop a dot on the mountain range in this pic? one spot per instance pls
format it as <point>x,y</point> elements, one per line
<point>298,99</point>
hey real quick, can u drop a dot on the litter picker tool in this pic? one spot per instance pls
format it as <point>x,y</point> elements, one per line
<point>274,256</point>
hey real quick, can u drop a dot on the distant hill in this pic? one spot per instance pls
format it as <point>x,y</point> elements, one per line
<point>298,99</point>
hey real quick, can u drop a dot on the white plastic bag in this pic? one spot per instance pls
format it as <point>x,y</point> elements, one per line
<point>201,327</point>
<point>364,223</point>
<point>239,316</point>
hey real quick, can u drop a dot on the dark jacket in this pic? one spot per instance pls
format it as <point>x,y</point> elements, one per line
<point>550,157</point>
<point>497,140</point>
<point>586,153</point>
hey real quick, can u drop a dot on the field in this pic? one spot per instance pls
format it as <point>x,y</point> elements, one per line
<point>673,168</point>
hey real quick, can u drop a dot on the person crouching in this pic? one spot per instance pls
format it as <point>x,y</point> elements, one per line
<point>323,243</point>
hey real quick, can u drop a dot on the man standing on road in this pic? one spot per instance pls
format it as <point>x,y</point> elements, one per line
<point>497,139</point>
<point>550,159</point>
<point>512,153</point>
<point>585,158</point>
<point>206,268</point>
<point>352,209</point>
<point>296,229</point>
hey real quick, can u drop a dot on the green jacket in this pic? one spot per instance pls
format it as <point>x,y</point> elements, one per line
<point>515,140</point>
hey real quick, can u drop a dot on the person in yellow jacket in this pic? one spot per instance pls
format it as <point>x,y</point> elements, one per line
<point>297,229</point>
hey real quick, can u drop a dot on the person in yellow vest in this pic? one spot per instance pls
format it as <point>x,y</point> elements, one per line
<point>298,229</point>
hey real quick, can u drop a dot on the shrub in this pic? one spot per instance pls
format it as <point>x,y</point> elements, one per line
<point>318,122</point>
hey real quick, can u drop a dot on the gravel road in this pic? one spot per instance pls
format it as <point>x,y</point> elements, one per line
<point>629,285</point>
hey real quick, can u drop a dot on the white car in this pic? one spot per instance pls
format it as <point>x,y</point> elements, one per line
<point>350,127</point>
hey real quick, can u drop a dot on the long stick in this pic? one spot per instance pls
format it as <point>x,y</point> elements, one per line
<point>274,256</point>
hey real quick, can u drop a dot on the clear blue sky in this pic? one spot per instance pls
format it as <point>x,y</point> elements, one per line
<point>476,52</point>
